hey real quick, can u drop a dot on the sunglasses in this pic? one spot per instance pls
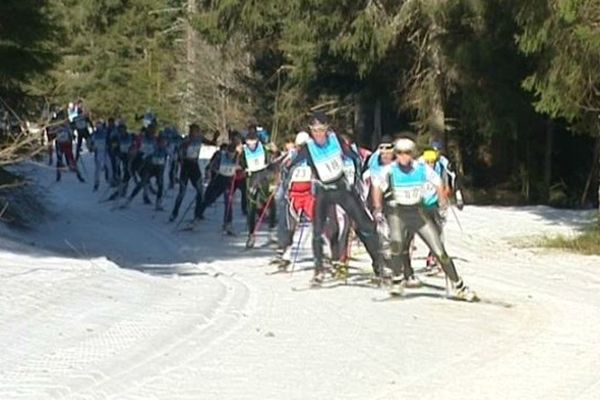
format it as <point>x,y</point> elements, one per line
<point>386,146</point>
<point>403,152</point>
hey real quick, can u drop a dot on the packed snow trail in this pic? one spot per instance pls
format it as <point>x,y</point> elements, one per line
<point>133,310</point>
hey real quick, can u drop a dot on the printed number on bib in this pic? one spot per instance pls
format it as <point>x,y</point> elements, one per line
<point>227,169</point>
<point>147,148</point>
<point>63,136</point>
<point>157,160</point>
<point>350,172</point>
<point>331,169</point>
<point>193,152</point>
<point>429,189</point>
<point>408,196</point>
<point>302,174</point>
<point>256,164</point>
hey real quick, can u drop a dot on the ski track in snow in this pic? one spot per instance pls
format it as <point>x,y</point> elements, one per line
<point>100,304</point>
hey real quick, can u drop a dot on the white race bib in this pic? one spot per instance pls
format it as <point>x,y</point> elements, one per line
<point>193,151</point>
<point>408,196</point>
<point>158,160</point>
<point>350,172</point>
<point>330,169</point>
<point>302,173</point>
<point>63,136</point>
<point>124,147</point>
<point>147,147</point>
<point>255,163</point>
<point>80,123</point>
<point>227,169</point>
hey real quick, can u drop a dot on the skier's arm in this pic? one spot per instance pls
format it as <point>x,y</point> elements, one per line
<point>456,185</point>
<point>436,181</point>
<point>301,156</point>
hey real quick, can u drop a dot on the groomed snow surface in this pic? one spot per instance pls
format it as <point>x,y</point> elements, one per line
<point>101,304</point>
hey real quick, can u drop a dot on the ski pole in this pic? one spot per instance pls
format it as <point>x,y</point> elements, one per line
<point>299,243</point>
<point>457,220</point>
<point>262,215</point>
<point>187,209</point>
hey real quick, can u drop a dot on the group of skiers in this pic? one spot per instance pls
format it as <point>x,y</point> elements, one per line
<point>385,197</point>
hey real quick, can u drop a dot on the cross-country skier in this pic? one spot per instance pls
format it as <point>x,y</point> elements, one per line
<point>325,155</point>
<point>255,160</point>
<point>189,153</point>
<point>64,149</point>
<point>294,199</point>
<point>99,145</point>
<point>154,153</point>
<point>406,180</point>
<point>223,167</point>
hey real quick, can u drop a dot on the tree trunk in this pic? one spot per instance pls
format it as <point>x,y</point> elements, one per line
<point>547,180</point>
<point>437,118</point>
<point>190,43</point>
<point>376,124</point>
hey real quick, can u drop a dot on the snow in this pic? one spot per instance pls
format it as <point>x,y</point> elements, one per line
<point>100,304</point>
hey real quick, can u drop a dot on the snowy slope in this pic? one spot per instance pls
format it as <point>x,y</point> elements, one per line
<point>195,316</point>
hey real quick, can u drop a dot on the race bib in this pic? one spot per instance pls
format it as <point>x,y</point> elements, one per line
<point>255,160</point>
<point>124,147</point>
<point>227,169</point>
<point>63,136</point>
<point>100,145</point>
<point>408,196</point>
<point>158,160</point>
<point>193,151</point>
<point>330,169</point>
<point>350,172</point>
<point>302,173</point>
<point>256,164</point>
<point>147,147</point>
<point>80,124</point>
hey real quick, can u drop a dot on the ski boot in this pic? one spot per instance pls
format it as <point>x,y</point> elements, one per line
<point>318,278</point>
<point>147,200</point>
<point>340,271</point>
<point>228,230</point>
<point>431,266</point>
<point>397,287</point>
<point>96,185</point>
<point>250,242</point>
<point>172,217</point>
<point>412,282</point>
<point>462,292</point>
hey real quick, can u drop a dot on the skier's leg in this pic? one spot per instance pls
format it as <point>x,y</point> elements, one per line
<point>183,179</point>
<point>427,231</point>
<point>365,227</point>
<point>322,204</point>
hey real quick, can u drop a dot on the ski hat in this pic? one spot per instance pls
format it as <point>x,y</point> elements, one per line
<point>437,144</point>
<point>386,143</point>
<point>301,138</point>
<point>430,156</point>
<point>405,142</point>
